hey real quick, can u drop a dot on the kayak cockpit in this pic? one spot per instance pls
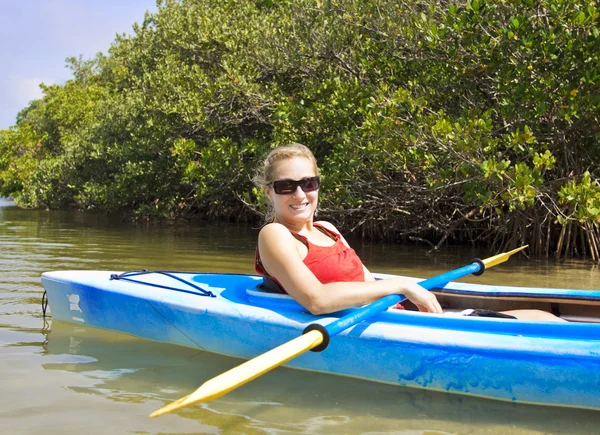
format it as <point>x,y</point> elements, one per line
<point>573,309</point>
<point>571,305</point>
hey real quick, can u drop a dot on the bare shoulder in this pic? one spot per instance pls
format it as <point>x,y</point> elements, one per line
<point>278,249</point>
<point>273,230</point>
<point>273,235</point>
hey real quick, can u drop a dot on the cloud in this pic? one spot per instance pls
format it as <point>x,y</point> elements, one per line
<point>27,89</point>
<point>16,92</point>
<point>37,36</point>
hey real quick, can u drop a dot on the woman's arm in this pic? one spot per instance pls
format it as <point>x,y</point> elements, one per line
<point>280,256</point>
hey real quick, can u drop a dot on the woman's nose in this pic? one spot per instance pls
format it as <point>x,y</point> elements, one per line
<point>298,193</point>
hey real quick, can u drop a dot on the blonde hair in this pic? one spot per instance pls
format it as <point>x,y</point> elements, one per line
<point>265,174</point>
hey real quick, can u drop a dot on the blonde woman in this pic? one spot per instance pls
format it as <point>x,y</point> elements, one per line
<point>310,260</point>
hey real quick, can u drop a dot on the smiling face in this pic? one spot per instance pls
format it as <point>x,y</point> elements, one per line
<point>296,209</point>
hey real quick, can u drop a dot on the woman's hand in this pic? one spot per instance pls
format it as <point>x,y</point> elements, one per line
<point>423,299</point>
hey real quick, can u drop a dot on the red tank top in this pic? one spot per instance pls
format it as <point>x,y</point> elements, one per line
<point>335,263</point>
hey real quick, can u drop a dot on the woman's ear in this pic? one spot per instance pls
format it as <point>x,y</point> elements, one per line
<point>268,191</point>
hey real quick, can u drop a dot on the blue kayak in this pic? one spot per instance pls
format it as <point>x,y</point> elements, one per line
<point>549,363</point>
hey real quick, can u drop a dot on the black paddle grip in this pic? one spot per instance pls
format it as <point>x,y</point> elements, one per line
<point>321,347</point>
<point>481,266</point>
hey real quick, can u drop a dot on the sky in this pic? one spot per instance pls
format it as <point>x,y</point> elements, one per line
<point>36,36</point>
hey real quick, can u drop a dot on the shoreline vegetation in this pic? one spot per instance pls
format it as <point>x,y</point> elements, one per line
<point>433,122</point>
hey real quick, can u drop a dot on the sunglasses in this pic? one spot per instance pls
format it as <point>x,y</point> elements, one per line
<point>286,187</point>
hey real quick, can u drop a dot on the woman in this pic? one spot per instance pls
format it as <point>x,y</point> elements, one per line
<point>311,260</point>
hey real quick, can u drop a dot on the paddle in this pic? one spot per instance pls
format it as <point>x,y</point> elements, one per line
<point>316,337</point>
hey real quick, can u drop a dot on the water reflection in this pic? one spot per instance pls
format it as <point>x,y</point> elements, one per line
<point>6,202</point>
<point>126,369</point>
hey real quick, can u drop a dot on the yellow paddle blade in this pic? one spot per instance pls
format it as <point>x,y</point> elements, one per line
<point>244,373</point>
<point>501,258</point>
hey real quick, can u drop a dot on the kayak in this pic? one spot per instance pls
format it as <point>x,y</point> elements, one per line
<point>548,363</point>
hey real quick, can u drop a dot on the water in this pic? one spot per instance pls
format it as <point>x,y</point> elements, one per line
<point>57,378</point>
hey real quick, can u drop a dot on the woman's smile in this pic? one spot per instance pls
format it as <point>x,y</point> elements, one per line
<point>299,206</point>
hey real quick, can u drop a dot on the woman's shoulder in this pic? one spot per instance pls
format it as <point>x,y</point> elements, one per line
<point>274,229</point>
<point>276,240</point>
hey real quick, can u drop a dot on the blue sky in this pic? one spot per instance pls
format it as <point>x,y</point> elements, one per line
<point>36,36</point>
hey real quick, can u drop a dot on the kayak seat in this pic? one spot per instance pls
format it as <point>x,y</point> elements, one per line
<point>269,285</point>
<point>269,295</point>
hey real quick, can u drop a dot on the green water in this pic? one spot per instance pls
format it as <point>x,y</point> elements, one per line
<point>57,378</point>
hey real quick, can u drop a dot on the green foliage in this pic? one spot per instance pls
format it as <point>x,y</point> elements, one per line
<point>582,199</point>
<point>476,120</point>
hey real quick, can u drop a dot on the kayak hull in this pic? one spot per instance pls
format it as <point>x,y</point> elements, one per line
<point>530,362</point>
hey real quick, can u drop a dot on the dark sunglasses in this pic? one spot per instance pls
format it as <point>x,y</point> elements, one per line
<point>285,187</point>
